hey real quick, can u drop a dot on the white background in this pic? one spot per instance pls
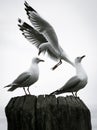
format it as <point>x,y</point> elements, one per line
<point>75,22</point>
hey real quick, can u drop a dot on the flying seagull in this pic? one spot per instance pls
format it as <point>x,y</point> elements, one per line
<point>75,83</point>
<point>43,36</point>
<point>27,78</point>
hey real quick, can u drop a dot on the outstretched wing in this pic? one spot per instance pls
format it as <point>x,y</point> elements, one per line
<point>31,34</point>
<point>42,25</point>
<point>36,38</point>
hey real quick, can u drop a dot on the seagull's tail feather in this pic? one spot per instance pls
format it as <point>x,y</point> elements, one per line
<point>55,92</point>
<point>12,88</point>
<point>7,86</point>
<point>66,58</point>
<point>68,61</point>
<point>71,63</point>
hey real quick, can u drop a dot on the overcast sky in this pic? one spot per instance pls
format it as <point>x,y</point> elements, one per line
<point>75,22</point>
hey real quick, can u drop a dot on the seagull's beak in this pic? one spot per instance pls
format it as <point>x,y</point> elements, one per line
<point>82,57</point>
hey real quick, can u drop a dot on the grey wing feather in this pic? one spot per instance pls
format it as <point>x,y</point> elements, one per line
<point>70,84</point>
<point>41,25</point>
<point>68,87</point>
<point>35,19</point>
<point>31,34</point>
<point>22,78</point>
<point>34,37</point>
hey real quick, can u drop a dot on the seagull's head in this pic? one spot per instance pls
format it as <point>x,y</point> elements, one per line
<point>37,60</point>
<point>79,59</point>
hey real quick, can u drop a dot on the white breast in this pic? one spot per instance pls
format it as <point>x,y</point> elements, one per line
<point>81,72</point>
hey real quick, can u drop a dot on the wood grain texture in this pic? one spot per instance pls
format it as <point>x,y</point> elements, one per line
<point>47,113</point>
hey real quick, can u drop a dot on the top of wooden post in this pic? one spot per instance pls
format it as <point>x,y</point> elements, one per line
<point>47,113</point>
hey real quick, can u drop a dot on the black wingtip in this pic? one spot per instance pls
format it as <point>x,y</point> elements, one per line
<point>28,7</point>
<point>26,4</point>
<point>19,20</point>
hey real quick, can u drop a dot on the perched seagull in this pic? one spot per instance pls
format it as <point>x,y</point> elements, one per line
<point>43,36</point>
<point>27,78</point>
<point>75,83</point>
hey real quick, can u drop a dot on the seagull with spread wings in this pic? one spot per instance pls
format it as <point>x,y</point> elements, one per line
<point>43,36</point>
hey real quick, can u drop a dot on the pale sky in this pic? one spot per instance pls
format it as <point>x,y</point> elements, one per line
<point>75,22</point>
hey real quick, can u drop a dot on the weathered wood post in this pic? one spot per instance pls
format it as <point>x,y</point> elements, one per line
<point>47,113</point>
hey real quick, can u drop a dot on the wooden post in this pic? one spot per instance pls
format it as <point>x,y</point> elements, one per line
<point>47,113</point>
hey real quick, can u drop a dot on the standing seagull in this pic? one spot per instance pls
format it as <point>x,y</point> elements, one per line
<point>27,78</point>
<point>43,36</point>
<point>75,83</point>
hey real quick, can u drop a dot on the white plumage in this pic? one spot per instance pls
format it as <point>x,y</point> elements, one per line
<point>27,78</point>
<point>75,83</point>
<point>43,36</point>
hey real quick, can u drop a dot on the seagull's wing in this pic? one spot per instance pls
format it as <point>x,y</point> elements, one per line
<point>22,78</point>
<point>31,34</point>
<point>68,87</point>
<point>21,81</point>
<point>36,38</point>
<point>71,83</point>
<point>41,25</point>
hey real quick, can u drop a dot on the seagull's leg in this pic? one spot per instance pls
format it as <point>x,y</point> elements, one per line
<point>73,94</point>
<point>59,63</point>
<point>24,90</point>
<point>28,91</point>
